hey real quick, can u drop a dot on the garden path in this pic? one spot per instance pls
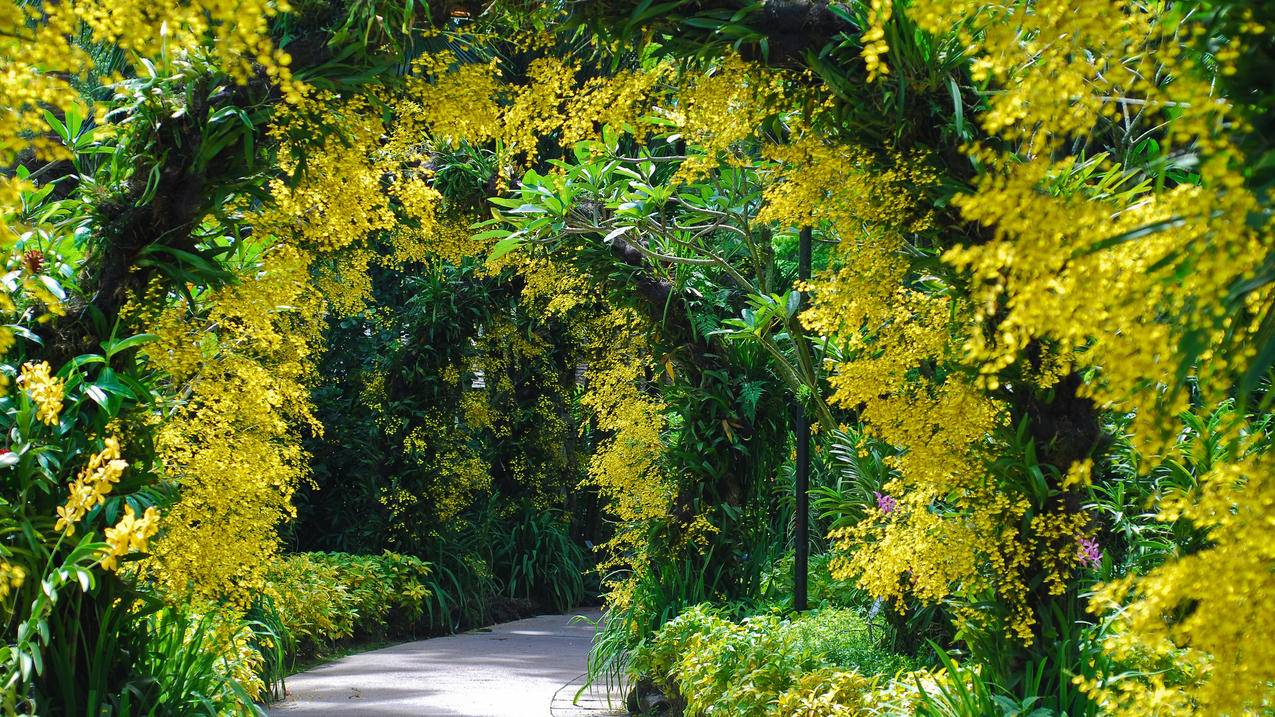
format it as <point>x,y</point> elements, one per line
<point>527,668</point>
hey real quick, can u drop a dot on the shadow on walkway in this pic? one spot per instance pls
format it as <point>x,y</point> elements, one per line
<point>518,669</point>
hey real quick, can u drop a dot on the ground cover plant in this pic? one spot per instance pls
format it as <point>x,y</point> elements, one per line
<point>764,663</point>
<point>499,304</point>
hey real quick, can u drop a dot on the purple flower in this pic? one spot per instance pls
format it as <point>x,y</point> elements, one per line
<point>1090,555</point>
<point>886,503</point>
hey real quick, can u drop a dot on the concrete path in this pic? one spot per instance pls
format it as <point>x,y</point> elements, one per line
<point>528,668</point>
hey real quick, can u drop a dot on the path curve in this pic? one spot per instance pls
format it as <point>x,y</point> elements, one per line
<point>527,668</point>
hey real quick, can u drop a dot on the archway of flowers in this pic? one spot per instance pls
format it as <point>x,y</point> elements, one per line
<point>373,276</point>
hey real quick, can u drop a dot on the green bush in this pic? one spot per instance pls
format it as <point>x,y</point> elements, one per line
<point>197,665</point>
<point>823,590</point>
<point>741,669</point>
<point>843,638</point>
<point>535,559</point>
<point>321,598</point>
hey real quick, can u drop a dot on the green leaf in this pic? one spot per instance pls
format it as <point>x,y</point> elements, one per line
<point>57,126</point>
<point>958,107</point>
<point>491,234</point>
<point>615,233</point>
<point>110,383</point>
<point>112,349</point>
<point>98,395</point>
<point>503,247</point>
<point>505,202</point>
<point>53,286</point>
<point>25,333</point>
<point>81,360</point>
<point>137,387</point>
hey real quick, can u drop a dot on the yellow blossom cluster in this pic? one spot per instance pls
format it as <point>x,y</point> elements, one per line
<point>625,467</point>
<point>343,201</point>
<point>33,48</point>
<point>951,528</point>
<point>451,101</point>
<point>873,39</point>
<point>537,108</point>
<point>506,348</point>
<point>44,389</point>
<point>364,196</point>
<point>454,102</point>
<point>130,535</point>
<point>721,107</point>
<point>948,526</point>
<point>345,280</point>
<point>235,643</point>
<point>1113,271</point>
<point>454,471</point>
<point>338,200</point>
<point>451,241</point>
<point>1058,533</point>
<point>35,288</point>
<point>1042,279</point>
<point>821,183</point>
<point>244,363</point>
<point>42,58</point>
<point>94,483</point>
<point>419,222</point>
<point>618,100</point>
<point>1216,597</point>
<point>1085,252</point>
<point>11,578</point>
<point>364,185</point>
<point>7,340</point>
<point>1091,266</point>
<point>234,32</point>
<point>551,286</point>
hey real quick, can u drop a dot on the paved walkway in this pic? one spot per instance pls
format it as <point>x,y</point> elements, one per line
<point>528,668</point>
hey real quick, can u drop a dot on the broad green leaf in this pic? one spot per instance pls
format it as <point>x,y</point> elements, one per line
<point>503,247</point>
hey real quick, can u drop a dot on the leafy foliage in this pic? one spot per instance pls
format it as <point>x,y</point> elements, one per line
<point>322,598</point>
<point>754,666</point>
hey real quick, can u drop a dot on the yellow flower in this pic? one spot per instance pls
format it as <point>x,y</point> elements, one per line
<point>130,535</point>
<point>44,389</point>
<point>92,486</point>
<point>37,290</point>
<point>11,578</point>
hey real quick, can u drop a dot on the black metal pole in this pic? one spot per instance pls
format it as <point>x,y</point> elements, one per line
<point>801,568</point>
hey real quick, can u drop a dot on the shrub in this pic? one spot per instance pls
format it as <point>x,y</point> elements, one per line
<point>843,638</point>
<point>822,589</point>
<point>536,558</point>
<point>322,598</point>
<point>829,693</point>
<point>749,668</point>
<point>199,665</point>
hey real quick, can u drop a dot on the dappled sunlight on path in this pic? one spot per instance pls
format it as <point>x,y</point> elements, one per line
<point>518,669</point>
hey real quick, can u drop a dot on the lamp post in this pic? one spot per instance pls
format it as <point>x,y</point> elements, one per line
<point>801,429</point>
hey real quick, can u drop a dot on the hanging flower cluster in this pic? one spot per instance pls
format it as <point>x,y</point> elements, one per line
<point>130,535</point>
<point>11,578</point>
<point>45,390</point>
<point>90,488</point>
